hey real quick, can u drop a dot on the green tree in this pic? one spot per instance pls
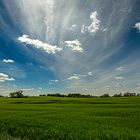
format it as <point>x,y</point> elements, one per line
<point>17,94</point>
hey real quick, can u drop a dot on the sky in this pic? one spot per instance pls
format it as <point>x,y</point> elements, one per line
<point>69,46</point>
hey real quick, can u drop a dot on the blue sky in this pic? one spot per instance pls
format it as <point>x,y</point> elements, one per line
<point>84,46</point>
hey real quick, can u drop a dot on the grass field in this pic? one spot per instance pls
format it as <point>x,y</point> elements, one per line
<point>52,118</point>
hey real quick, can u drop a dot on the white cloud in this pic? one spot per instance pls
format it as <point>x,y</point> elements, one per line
<point>118,78</point>
<point>44,20</point>
<point>120,69</point>
<point>40,88</point>
<point>51,82</point>
<point>83,29</point>
<point>90,73</point>
<point>54,81</point>
<point>74,77</point>
<point>137,25</point>
<point>74,45</point>
<point>5,77</point>
<point>39,44</point>
<point>8,61</point>
<point>94,26</point>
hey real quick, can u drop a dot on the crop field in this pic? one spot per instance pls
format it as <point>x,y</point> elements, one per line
<point>54,118</point>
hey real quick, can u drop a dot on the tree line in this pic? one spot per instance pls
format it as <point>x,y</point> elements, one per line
<point>127,94</point>
<point>19,94</point>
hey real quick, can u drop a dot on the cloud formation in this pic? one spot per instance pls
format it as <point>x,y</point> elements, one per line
<point>74,45</point>
<point>55,22</point>
<point>53,81</point>
<point>8,61</point>
<point>5,77</point>
<point>137,26</point>
<point>118,78</point>
<point>39,44</point>
<point>95,24</point>
<point>74,77</point>
<point>90,73</point>
<point>119,68</point>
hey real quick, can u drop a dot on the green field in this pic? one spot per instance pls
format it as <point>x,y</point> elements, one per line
<point>52,118</point>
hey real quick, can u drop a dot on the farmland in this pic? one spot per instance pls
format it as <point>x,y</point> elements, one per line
<point>62,118</point>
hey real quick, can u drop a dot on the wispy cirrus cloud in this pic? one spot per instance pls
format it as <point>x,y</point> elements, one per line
<point>118,78</point>
<point>60,22</point>
<point>39,44</point>
<point>119,69</point>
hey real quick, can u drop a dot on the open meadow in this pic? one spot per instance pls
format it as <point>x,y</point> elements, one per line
<point>54,118</point>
